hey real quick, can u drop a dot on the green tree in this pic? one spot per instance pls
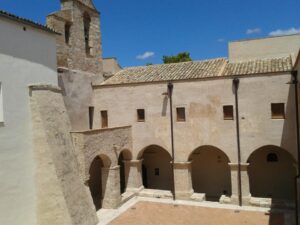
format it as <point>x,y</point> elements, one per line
<point>180,57</point>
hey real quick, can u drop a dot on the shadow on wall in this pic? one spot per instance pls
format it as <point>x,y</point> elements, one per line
<point>210,172</point>
<point>289,136</point>
<point>98,180</point>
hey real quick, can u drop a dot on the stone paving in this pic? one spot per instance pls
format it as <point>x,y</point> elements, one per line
<point>149,211</point>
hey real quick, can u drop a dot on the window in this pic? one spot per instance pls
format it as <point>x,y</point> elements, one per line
<point>180,114</point>
<point>156,171</point>
<point>87,24</point>
<point>104,119</point>
<point>91,117</point>
<point>272,157</point>
<point>278,111</point>
<point>141,115</point>
<point>67,33</point>
<point>228,112</point>
<point>1,105</point>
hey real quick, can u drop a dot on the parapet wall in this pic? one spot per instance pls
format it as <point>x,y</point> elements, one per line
<point>58,183</point>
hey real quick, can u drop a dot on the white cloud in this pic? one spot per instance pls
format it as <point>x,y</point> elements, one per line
<point>253,31</point>
<point>221,40</point>
<point>145,55</point>
<point>280,32</point>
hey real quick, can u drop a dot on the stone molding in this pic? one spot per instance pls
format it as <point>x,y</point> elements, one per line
<point>235,166</point>
<point>44,87</point>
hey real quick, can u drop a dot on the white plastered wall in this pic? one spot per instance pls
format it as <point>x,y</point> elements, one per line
<point>27,56</point>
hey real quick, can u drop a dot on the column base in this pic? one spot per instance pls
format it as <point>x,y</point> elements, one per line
<point>234,199</point>
<point>184,195</point>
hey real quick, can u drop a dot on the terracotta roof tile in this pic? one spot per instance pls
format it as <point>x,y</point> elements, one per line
<point>219,67</point>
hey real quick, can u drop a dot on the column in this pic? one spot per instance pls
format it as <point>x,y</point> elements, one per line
<point>111,187</point>
<point>183,180</point>
<point>133,171</point>
<point>244,183</point>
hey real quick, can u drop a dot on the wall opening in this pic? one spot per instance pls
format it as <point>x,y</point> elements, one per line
<point>156,168</point>
<point>141,115</point>
<point>104,119</point>
<point>180,114</point>
<point>271,173</point>
<point>91,117</point>
<point>211,172</point>
<point>278,111</point>
<point>228,112</point>
<point>67,33</point>
<point>87,24</point>
<point>95,182</point>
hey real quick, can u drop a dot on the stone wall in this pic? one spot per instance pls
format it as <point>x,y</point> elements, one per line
<point>73,55</point>
<point>106,144</point>
<point>58,183</point>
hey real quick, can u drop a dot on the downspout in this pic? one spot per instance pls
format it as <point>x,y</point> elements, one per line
<point>295,82</point>
<point>236,82</point>
<point>170,94</point>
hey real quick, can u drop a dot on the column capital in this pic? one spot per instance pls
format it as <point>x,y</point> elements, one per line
<point>235,166</point>
<point>181,165</point>
<point>133,162</point>
<point>111,168</point>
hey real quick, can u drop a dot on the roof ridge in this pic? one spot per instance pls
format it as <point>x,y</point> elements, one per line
<point>179,63</point>
<point>26,21</point>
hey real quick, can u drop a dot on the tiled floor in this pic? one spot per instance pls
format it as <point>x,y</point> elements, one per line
<point>149,213</point>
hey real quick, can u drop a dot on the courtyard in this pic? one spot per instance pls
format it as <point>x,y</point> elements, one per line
<point>146,211</point>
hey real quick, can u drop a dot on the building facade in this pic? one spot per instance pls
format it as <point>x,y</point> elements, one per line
<point>78,133</point>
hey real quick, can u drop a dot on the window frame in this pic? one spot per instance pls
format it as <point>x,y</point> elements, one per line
<point>139,119</point>
<point>282,116</point>
<point>225,117</point>
<point>104,117</point>
<point>178,118</point>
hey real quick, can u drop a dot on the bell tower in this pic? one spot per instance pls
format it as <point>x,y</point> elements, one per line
<point>79,56</point>
<point>79,46</point>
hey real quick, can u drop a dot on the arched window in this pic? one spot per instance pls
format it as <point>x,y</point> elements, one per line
<point>87,23</point>
<point>67,32</point>
<point>272,157</point>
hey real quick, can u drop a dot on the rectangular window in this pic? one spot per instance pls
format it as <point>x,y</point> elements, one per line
<point>141,115</point>
<point>180,114</point>
<point>156,171</point>
<point>1,105</point>
<point>91,116</point>
<point>228,112</point>
<point>278,111</point>
<point>67,33</point>
<point>104,119</point>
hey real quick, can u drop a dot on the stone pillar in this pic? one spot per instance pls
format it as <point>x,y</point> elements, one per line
<point>111,187</point>
<point>183,180</point>
<point>133,171</point>
<point>235,183</point>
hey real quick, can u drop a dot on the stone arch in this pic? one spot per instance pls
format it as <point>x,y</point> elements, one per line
<point>272,172</point>
<point>210,172</point>
<point>156,168</point>
<point>95,181</point>
<point>124,157</point>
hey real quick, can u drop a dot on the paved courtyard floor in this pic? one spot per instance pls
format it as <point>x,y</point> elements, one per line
<point>158,212</point>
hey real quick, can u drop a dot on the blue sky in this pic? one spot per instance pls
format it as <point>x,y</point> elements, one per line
<point>142,31</point>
